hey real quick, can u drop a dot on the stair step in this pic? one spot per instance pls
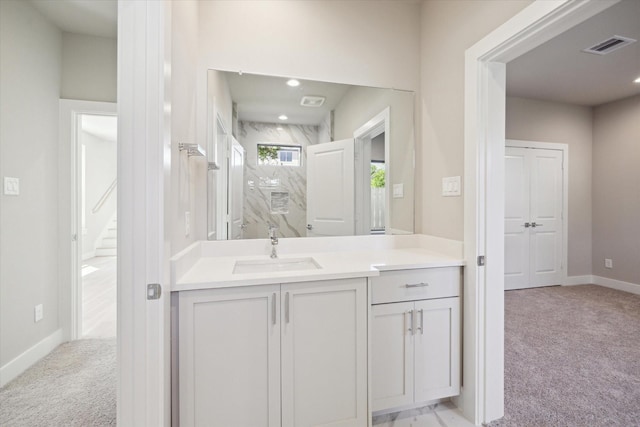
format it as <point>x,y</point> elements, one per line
<point>112,233</point>
<point>106,252</point>
<point>109,242</point>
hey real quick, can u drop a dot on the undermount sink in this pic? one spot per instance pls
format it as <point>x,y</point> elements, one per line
<point>275,265</point>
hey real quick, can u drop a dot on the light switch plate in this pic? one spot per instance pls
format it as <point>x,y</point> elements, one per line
<point>11,186</point>
<point>398,191</point>
<point>451,186</point>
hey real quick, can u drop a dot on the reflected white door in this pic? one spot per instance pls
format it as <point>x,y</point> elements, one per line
<point>236,190</point>
<point>533,217</point>
<point>331,188</point>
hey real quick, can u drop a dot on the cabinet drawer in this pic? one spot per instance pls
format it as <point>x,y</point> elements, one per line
<point>410,285</point>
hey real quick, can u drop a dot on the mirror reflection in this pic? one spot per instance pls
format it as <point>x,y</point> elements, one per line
<point>307,158</point>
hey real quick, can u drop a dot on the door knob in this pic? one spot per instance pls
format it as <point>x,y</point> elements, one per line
<point>527,225</point>
<point>534,225</point>
<point>309,227</point>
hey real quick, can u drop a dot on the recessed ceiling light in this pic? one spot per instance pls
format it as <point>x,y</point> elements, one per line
<point>283,117</point>
<point>293,82</point>
<point>637,80</point>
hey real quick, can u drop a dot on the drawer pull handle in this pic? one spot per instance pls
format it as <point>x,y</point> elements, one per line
<point>410,313</point>
<point>416,285</point>
<point>273,309</point>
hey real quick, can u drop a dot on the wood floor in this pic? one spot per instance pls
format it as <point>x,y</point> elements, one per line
<point>99,297</point>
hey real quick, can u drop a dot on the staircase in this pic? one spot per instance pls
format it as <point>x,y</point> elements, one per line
<point>108,240</point>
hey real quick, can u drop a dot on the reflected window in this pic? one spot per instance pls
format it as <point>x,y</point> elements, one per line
<point>279,155</point>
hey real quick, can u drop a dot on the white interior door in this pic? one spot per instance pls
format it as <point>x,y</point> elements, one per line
<point>331,188</point>
<point>533,217</point>
<point>236,190</point>
<point>516,203</point>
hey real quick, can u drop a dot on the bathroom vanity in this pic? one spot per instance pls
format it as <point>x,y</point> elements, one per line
<point>332,331</point>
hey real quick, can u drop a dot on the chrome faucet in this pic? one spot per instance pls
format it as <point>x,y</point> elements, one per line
<point>274,239</point>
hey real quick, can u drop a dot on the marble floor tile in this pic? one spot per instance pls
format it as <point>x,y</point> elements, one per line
<point>439,415</point>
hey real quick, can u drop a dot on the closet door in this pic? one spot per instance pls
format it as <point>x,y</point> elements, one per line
<point>516,217</point>
<point>533,217</point>
<point>546,217</point>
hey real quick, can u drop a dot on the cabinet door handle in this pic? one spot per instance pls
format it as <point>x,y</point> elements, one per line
<point>416,285</point>
<point>286,307</point>
<point>273,309</point>
<point>410,313</point>
<point>421,327</point>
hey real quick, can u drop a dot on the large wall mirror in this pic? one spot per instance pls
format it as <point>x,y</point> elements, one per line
<point>310,158</point>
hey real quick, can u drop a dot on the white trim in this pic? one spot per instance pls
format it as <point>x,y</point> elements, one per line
<point>380,123</point>
<point>481,398</point>
<point>633,288</point>
<point>70,256</point>
<point>28,358</point>
<point>565,191</point>
<point>587,279</point>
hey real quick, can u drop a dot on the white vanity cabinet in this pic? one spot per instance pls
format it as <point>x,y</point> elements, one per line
<point>275,355</point>
<point>415,336</point>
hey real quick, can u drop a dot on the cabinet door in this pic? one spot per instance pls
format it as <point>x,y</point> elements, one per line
<point>437,348</point>
<point>392,355</point>
<point>324,353</point>
<point>230,357</point>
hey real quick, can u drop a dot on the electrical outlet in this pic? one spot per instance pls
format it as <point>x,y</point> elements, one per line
<point>38,312</point>
<point>608,263</point>
<point>187,223</point>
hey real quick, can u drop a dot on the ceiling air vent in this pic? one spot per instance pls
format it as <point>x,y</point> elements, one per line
<point>609,45</point>
<point>312,101</point>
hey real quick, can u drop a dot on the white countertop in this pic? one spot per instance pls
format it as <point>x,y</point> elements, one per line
<point>207,272</point>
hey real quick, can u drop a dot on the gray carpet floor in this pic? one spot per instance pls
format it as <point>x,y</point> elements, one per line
<point>75,385</point>
<point>572,357</point>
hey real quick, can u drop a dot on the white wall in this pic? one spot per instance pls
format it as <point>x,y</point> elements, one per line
<point>100,171</point>
<point>545,121</point>
<point>30,63</point>
<point>448,29</point>
<point>89,65</point>
<point>616,189</point>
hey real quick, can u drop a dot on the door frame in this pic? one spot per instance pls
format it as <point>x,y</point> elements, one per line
<point>482,396</point>
<point>362,136</point>
<point>69,178</point>
<point>564,148</point>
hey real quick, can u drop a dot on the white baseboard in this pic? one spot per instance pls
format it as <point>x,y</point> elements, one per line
<point>24,361</point>
<point>587,279</point>
<point>633,288</point>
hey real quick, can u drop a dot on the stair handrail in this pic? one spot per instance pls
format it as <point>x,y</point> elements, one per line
<point>105,196</point>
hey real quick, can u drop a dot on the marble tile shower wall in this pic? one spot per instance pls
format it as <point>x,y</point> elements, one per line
<point>289,179</point>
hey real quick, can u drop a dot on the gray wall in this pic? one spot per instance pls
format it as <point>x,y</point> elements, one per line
<point>30,68</point>
<point>543,121</point>
<point>448,29</point>
<point>89,67</point>
<point>38,65</point>
<point>616,189</point>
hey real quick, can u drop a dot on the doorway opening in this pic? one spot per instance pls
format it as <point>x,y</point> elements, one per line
<point>96,209</point>
<point>372,175</point>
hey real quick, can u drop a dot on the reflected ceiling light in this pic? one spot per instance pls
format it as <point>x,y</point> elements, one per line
<point>283,117</point>
<point>293,83</point>
<point>279,128</point>
<point>637,80</point>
